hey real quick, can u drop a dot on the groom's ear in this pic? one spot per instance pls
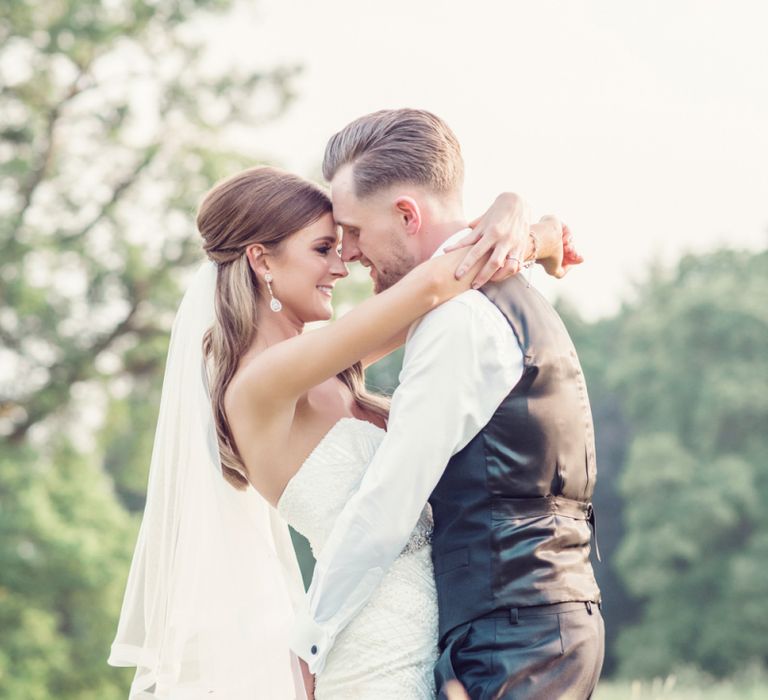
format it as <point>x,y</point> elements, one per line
<point>409,213</point>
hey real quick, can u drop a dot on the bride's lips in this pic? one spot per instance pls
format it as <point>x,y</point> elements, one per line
<point>325,289</point>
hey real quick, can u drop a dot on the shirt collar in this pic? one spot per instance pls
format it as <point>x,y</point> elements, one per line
<point>455,238</point>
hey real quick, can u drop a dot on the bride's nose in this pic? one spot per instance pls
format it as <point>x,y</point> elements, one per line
<point>338,268</point>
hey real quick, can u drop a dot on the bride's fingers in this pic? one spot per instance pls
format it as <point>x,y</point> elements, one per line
<point>455,691</point>
<point>495,263</point>
<point>512,264</point>
<point>478,251</point>
<point>470,239</point>
<point>573,258</point>
<point>571,255</point>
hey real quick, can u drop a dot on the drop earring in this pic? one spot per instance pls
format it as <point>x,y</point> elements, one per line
<point>274,303</point>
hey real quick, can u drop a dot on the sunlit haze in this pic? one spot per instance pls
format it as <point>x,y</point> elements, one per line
<point>643,125</point>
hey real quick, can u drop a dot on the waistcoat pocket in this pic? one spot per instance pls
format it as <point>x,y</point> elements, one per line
<point>451,560</point>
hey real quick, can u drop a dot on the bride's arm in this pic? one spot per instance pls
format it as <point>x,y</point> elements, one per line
<point>397,341</point>
<point>553,250</point>
<point>281,374</point>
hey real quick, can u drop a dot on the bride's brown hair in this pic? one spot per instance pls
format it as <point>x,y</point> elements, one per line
<point>261,205</point>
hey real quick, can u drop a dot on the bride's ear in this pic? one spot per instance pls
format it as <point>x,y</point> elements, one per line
<point>255,254</point>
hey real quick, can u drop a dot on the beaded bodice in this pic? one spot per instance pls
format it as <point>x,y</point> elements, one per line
<point>389,648</point>
<point>331,474</point>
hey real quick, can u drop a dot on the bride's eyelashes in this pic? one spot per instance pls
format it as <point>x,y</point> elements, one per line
<point>324,250</point>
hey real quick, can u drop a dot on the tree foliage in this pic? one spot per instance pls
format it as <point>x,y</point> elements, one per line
<point>113,123</point>
<point>692,372</point>
<point>64,544</point>
<point>109,138</point>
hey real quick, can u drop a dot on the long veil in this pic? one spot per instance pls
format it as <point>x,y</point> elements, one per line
<point>214,579</point>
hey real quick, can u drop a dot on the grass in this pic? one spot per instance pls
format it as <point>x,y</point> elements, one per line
<point>747,686</point>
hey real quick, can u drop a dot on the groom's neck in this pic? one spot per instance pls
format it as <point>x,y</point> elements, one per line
<point>444,218</point>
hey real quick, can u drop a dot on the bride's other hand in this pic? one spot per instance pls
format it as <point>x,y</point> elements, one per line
<point>571,256</point>
<point>309,680</point>
<point>560,253</point>
<point>503,229</point>
<point>455,691</point>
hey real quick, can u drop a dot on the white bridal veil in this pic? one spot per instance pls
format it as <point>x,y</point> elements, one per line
<point>214,579</point>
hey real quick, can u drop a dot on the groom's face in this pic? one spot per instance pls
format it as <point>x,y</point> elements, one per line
<point>372,232</point>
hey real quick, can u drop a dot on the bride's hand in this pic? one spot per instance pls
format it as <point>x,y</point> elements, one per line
<point>503,229</point>
<point>563,255</point>
<point>571,256</point>
<point>455,691</point>
<point>309,680</point>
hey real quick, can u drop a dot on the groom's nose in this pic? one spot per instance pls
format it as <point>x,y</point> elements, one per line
<point>350,252</point>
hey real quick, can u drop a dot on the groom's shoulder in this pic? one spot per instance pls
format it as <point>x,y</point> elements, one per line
<point>471,302</point>
<point>471,306</point>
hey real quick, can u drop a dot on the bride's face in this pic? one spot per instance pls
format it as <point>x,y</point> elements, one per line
<point>305,270</point>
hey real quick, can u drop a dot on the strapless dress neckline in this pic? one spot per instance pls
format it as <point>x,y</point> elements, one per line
<point>365,425</point>
<point>389,648</point>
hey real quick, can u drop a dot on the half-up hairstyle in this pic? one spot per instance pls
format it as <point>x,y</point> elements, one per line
<point>261,205</point>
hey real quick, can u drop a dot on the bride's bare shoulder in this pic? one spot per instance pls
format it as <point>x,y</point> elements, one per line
<point>261,428</point>
<point>248,401</point>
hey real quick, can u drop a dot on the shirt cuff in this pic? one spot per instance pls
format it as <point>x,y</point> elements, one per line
<point>310,641</point>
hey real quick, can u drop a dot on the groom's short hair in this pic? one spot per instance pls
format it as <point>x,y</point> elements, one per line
<point>397,146</point>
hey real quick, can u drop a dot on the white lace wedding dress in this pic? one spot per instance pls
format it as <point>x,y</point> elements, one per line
<point>389,649</point>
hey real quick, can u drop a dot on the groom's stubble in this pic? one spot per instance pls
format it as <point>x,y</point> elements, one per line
<point>399,264</point>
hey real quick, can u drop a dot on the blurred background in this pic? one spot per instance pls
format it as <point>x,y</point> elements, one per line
<point>642,125</point>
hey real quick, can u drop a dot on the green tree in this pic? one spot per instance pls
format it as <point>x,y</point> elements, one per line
<point>691,368</point>
<point>596,345</point>
<point>113,125</point>
<point>64,544</point>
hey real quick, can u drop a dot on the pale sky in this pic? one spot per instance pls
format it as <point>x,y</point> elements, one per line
<point>644,125</point>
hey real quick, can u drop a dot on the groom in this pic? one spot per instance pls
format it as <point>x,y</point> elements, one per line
<point>491,422</point>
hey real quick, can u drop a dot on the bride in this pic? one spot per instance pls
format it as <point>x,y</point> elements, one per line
<point>285,418</point>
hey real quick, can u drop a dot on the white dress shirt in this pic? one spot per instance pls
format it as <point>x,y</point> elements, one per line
<point>461,360</point>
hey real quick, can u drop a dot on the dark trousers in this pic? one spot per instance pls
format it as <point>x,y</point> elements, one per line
<point>546,652</point>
